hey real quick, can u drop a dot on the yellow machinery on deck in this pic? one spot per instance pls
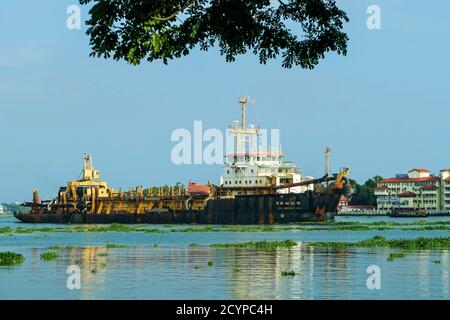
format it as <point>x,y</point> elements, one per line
<point>89,194</point>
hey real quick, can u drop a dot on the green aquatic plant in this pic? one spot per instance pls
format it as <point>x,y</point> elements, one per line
<point>93,271</point>
<point>102,254</point>
<point>23,230</point>
<point>148,230</point>
<point>291,273</point>
<point>56,248</point>
<point>210,263</point>
<point>236,270</point>
<point>114,227</point>
<point>61,247</point>
<point>344,226</point>
<point>396,255</point>
<point>50,255</point>
<point>197,267</point>
<point>193,245</point>
<point>9,258</point>
<point>379,241</point>
<point>264,244</point>
<point>6,230</point>
<point>114,246</point>
<point>197,229</point>
<point>352,228</point>
<point>437,261</point>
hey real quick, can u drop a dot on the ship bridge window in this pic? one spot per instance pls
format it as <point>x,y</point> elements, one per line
<point>228,171</point>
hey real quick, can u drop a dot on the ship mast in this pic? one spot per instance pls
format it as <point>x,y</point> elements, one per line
<point>327,159</point>
<point>243,130</point>
<point>243,101</point>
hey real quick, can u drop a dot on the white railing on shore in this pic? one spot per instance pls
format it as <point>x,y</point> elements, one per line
<point>364,212</point>
<point>383,212</point>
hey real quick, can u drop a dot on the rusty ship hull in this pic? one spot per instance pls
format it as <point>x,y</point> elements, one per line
<point>246,209</point>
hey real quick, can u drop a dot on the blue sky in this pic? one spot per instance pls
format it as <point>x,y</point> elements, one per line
<point>383,108</point>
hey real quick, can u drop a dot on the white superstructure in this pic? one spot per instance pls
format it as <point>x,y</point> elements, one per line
<point>2,209</point>
<point>252,163</point>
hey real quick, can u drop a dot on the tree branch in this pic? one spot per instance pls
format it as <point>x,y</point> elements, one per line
<point>173,15</point>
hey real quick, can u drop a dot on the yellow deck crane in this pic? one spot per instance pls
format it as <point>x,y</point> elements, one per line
<point>340,178</point>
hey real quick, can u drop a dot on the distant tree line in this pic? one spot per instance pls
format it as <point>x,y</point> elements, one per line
<point>363,194</point>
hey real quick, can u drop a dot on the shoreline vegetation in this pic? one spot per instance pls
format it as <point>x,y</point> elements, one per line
<point>421,225</point>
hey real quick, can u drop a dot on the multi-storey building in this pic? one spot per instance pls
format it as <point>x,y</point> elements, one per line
<point>445,187</point>
<point>417,189</point>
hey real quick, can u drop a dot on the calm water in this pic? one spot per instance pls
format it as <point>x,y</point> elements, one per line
<point>175,270</point>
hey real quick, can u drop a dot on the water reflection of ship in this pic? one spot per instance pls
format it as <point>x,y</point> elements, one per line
<point>256,274</point>
<point>91,264</point>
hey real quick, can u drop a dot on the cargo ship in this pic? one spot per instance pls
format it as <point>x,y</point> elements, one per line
<point>256,187</point>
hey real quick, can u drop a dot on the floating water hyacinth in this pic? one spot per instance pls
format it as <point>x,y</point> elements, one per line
<point>258,244</point>
<point>10,258</point>
<point>51,255</point>
<point>291,273</point>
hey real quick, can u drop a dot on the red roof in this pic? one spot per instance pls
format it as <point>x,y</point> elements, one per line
<point>445,170</point>
<point>194,187</point>
<point>420,170</point>
<point>407,194</point>
<point>397,180</point>
<point>381,188</point>
<point>447,179</point>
